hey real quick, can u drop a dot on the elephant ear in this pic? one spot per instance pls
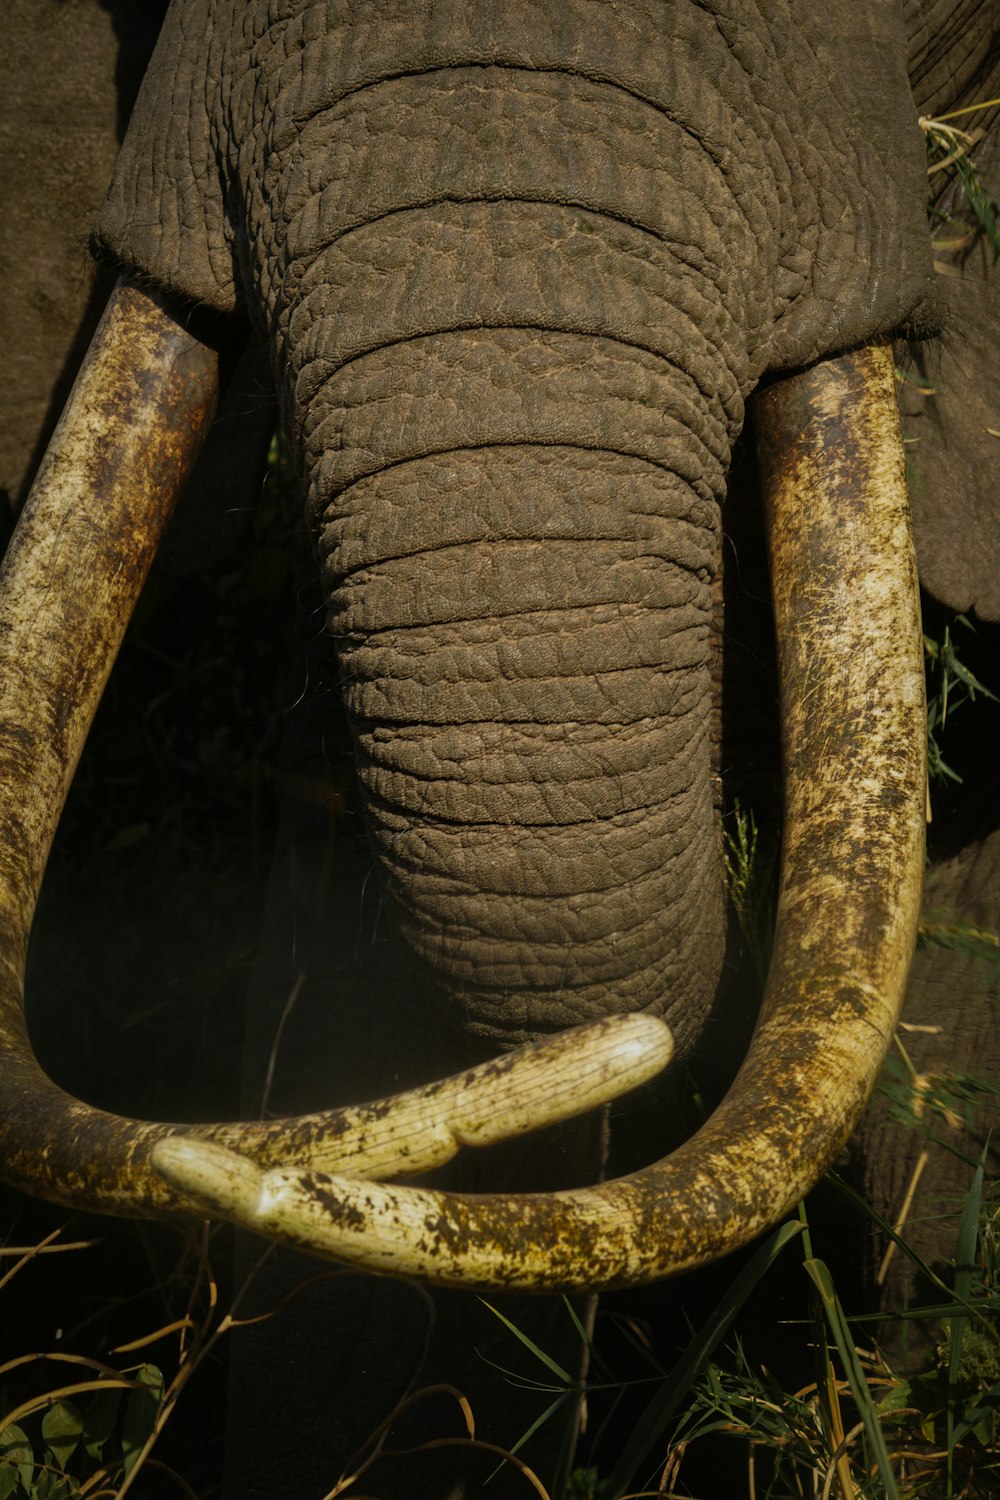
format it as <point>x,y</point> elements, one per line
<point>950,403</point>
<point>163,220</point>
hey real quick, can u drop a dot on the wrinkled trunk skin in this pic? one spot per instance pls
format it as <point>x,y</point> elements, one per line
<point>516,435</point>
<point>523,623</point>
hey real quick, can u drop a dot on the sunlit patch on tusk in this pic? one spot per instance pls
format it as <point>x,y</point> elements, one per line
<point>213,1178</point>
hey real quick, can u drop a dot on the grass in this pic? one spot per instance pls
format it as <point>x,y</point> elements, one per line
<point>950,685</point>
<point>859,1429</point>
<point>751,868</point>
<point>74,1425</point>
<point>950,157</point>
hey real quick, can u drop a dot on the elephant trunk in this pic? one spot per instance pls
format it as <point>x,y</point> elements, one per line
<point>511,304</point>
<point>507,390</point>
<point>518,556</point>
<point>532,740</point>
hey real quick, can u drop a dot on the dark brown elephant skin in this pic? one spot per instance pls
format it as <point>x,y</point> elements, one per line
<point>518,269</point>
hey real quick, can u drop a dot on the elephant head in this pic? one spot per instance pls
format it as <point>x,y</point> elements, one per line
<point>519,268</point>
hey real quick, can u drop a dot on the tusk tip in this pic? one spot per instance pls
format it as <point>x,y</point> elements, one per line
<point>219,1181</point>
<point>644,1043</point>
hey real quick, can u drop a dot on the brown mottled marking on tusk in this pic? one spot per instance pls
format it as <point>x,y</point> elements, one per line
<point>847,617</point>
<point>130,434</point>
<point>141,405</point>
<point>136,417</point>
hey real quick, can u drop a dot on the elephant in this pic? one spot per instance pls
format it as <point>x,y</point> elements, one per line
<point>511,267</point>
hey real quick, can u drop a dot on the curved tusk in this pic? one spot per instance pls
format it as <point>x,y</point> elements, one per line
<point>538,1085</point>
<point>847,619</point>
<point>141,405</point>
<point>542,1084</point>
<point>132,429</point>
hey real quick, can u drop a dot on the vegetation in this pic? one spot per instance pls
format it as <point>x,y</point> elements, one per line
<point>862,1426</point>
<point>950,684</point>
<point>951,159</point>
<point>74,1426</point>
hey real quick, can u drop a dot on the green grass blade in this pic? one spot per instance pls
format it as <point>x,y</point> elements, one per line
<point>985,1405</point>
<point>540,1421</point>
<point>532,1347</point>
<point>549,1411</point>
<point>594,1354</point>
<point>838,1326</point>
<point>675,1387</point>
<point>927,1312</point>
<point>887,1229</point>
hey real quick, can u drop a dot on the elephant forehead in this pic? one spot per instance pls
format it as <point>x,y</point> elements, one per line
<point>350,182</point>
<point>306,58</point>
<point>779,141</point>
<point>469,133</point>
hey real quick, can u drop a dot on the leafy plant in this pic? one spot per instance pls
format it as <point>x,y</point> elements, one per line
<point>950,150</point>
<point>751,870</point>
<point>93,1435</point>
<point>55,1447</point>
<point>950,684</point>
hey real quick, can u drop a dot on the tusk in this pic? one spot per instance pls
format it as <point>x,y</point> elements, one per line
<point>78,560</point>
<point>558,1079</point>
<point>847,619</point>
<point>542,1084</point>
<point>136,418</point>
<point>138,412</point>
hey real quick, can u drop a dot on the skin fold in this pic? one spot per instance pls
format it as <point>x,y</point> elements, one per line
<point>518,272</point>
